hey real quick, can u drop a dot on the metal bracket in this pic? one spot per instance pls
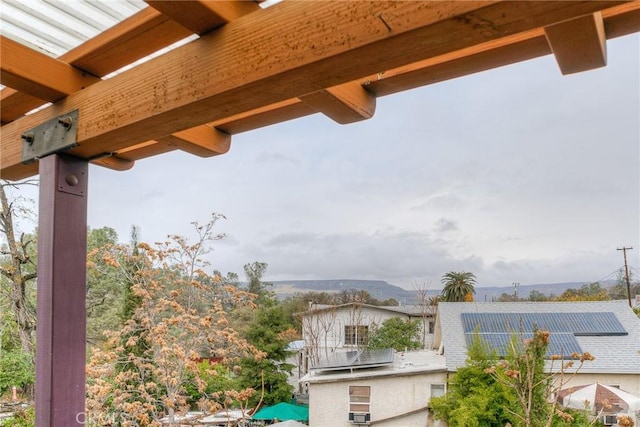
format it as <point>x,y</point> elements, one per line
<point>56,135</point>
<point>72,176</point>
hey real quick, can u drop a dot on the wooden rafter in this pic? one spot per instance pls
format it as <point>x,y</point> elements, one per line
<point>380,38</point>
<point>21,68</point>
<point>345,103</point>
<point>202,16</point>
<point>578,44</point>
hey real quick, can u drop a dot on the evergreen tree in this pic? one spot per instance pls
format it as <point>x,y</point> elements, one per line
<point>270,332</point>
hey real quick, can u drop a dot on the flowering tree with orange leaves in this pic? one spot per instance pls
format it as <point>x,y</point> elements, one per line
<point>143,372</point>
<point>523,371</point>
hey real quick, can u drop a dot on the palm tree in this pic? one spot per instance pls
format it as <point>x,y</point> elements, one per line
<point>458,286</point>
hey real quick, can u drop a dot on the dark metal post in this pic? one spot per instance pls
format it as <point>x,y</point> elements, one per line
<point>61,327</point>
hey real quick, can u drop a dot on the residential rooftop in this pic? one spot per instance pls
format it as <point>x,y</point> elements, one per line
<point>409,310</point>
<point>404,363</point>
<point>614,353</point>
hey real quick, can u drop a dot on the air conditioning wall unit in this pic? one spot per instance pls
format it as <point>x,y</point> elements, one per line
<point>359,418</point>
<point>609,420</point>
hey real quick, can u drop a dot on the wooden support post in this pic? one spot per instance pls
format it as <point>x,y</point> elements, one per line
<point>61,331</point>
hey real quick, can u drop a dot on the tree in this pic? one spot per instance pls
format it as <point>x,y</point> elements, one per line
<point>537,296</point>
<point>271,332</point>
<point>131,302</point>
<point>587,292</point>
<point>18,266</point>
<point>316,329</point>
<point>181,318</point>
<point>428,306</point>
<point>458,286</point>
<point>516,390</point>
<point>16,369</point>
<point>474,398</point>
<point>105,290</point>
<point>396,333</point>
<point>523,373</point>
<point>254,272</point>
<point>619,290</point>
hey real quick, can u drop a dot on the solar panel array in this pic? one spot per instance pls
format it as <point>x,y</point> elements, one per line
<point>578,324</point>
<point>497,329</point>
<point>356,360</point>
<point>561,344</point>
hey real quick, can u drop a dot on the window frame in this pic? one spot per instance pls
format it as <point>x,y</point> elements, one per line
<point>440,386</point>
<point>356,335</point>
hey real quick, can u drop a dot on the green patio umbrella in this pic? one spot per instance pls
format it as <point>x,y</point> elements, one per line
<point>283,411</point>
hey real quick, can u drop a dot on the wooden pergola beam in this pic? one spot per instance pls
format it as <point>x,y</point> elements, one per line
<point>245,66</point>
<point>622,20</point>
<point>578,44</point>
<point>151,30</point>
<point>129,41</point>
<point>37,74</point>
<point>202,16</point>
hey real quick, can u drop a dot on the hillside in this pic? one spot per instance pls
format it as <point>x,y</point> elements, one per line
<point>377,288</point>
<point>383,290</point>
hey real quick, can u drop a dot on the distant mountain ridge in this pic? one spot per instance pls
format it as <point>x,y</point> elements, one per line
<point>383,290</point>
<point>379,289</point>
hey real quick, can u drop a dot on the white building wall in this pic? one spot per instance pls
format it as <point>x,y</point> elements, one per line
<point>326,329</point>
<point>390,396</point>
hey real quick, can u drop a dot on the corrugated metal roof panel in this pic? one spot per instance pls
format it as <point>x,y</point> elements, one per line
<point>56,26</point>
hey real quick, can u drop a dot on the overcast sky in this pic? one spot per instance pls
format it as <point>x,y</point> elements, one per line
<point>517,174</point>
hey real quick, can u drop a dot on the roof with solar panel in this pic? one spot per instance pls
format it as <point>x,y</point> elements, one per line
<point>365,363</point>
<point>596,327</point>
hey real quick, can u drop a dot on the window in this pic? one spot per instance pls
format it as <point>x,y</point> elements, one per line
<point>431,327</point>
<point>437,390</point>
<point>359,399</point>
<point>356,335</point>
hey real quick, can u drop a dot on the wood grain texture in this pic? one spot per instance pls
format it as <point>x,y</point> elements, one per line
<point>36,74</point>
<point>247,65</point>
<point>202,16</point>
<point>345,103</point>
<point>578,44</point>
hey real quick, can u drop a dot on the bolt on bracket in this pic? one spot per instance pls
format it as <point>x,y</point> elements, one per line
<point>56,135</point>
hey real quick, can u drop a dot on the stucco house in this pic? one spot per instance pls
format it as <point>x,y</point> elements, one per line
<point>394,393</point>
<point>397,393</point>
<point>609,330</point>
<point>327,329</point>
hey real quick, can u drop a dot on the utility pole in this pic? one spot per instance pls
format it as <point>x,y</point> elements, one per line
<point>626,271</point>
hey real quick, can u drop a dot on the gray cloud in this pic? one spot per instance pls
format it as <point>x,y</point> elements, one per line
<point>444,225</point>
<point>516,174</point>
